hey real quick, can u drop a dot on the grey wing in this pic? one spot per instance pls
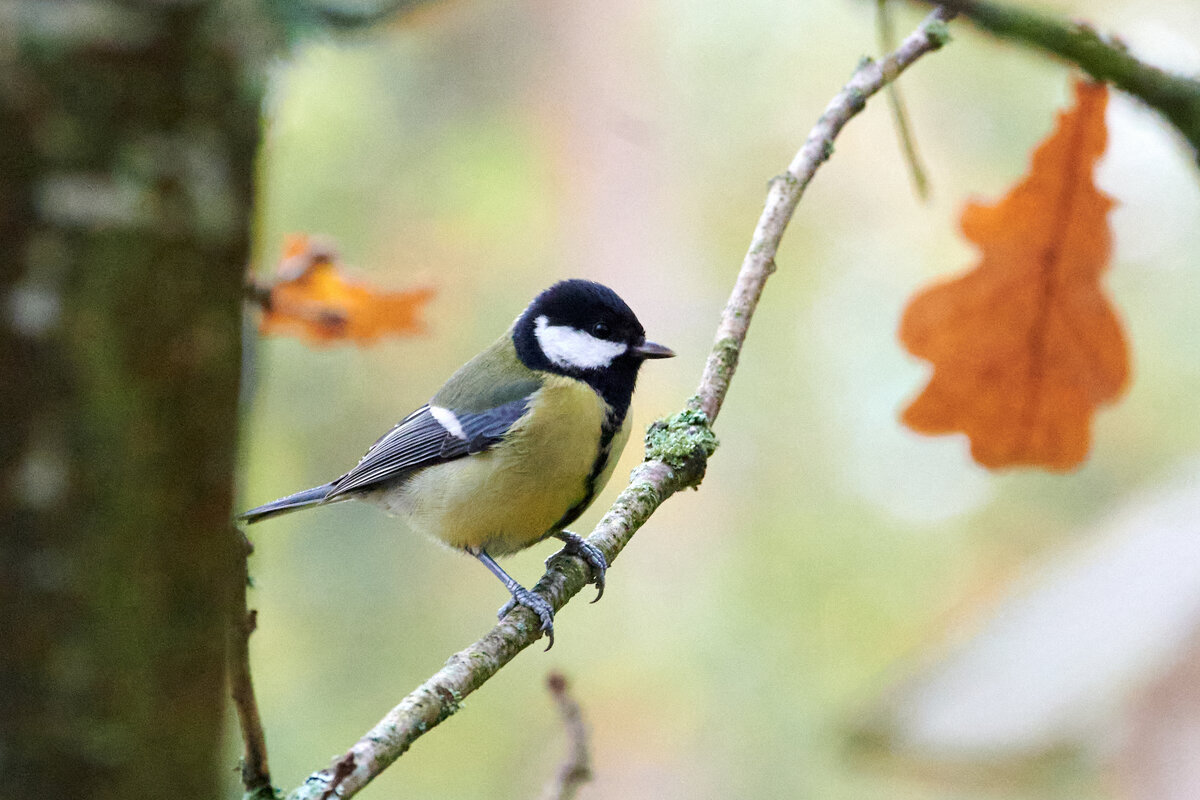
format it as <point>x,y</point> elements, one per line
<point>428,436</point>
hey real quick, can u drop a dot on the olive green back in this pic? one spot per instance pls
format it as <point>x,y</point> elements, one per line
<point>494,377</point>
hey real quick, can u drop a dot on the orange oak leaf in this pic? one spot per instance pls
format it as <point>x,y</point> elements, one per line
<point>1025,346</point>
<point>314,301</point>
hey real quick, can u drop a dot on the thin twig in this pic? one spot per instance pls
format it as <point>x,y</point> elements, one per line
<point>666,469</point>
<point>908,143</point>
<point>256,778</point>
<point>576,769</point>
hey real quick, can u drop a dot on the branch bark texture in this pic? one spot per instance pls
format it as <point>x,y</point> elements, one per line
<point>1176,97</point>
<point>677,450</point>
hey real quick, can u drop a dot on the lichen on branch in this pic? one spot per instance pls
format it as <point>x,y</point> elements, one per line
<point>682,440</point>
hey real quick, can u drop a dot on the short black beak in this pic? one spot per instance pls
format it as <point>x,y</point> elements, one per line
<point>653,350</point>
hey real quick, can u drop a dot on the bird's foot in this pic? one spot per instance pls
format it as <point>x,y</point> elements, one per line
<point>576,545</point>
<point>535,603</point>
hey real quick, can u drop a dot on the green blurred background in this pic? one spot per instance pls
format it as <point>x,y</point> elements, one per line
<point>489,149</point>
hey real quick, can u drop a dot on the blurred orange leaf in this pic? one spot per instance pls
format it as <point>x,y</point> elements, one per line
<point>1026,346</point>
<point>314,301</point>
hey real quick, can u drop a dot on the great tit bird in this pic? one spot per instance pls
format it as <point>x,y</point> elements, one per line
<point>517,444</point>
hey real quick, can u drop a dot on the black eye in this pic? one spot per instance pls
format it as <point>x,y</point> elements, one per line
<point>601,330</point>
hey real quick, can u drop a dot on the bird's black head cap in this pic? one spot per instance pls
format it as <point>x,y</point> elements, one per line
<point>584,330</point>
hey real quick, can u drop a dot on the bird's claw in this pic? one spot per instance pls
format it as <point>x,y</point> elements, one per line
<point>576,545</point>
<point>535,603</point>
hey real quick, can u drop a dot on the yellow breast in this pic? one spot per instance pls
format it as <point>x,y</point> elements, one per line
<point>511,496</point>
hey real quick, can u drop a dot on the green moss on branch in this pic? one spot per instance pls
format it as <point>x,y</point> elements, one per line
<point>683,442</point>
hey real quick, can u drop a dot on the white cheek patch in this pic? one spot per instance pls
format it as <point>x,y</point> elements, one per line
<point>447,420</point>
<point>570,347</point>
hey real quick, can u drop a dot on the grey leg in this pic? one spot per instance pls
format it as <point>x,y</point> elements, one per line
<point>520,596</point>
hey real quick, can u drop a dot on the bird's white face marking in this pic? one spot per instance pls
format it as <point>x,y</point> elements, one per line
<point>570,347</point>
<point>447,420</point>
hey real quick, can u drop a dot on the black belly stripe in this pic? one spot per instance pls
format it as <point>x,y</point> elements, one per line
<point>608,430</point>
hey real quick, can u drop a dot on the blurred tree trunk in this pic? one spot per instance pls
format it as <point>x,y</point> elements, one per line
<point>127,139</point>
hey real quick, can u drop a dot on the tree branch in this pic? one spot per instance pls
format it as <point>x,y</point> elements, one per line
<point>1176,97</point>
<point>677,450</point>
<point>576,769</point>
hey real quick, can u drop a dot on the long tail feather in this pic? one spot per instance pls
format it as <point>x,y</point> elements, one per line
<point>293,502</point>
